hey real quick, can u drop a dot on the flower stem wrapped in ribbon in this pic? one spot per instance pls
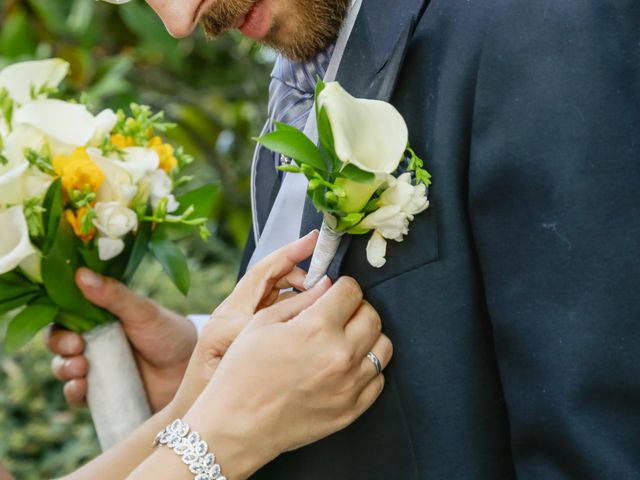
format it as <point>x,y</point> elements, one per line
<point>78,189</point>
<point>351,173</point>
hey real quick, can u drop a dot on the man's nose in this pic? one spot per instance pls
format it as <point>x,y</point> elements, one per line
<point>178,16</point>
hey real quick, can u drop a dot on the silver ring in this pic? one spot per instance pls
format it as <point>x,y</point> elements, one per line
<point>376,362</point>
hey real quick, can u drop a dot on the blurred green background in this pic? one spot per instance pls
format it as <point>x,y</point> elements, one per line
<point>216,92</point>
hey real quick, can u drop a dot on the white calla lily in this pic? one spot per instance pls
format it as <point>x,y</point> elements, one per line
<point>18,180</point>
<point>370,134</point>
<point>66,125</point>
<point>21,79</point>
<point>15,245</point>
<point>105,122</point>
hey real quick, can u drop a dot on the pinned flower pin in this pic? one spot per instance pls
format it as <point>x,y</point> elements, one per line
<point>351,174</point>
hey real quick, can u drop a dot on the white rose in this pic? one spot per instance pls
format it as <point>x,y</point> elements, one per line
<point>15,246</point>
<point>20,79</point>
<point>370,134</point>
<point>105,122</point>
<point>118,184</point>
<point>113,222</point>
<point>65,125</point>
<point>161,188</point>
<point>398,205</point>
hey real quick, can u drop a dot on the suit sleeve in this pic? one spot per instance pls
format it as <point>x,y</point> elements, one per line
<point>554,200</point>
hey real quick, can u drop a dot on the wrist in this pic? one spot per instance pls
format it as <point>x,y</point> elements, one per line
<point>238,452</point>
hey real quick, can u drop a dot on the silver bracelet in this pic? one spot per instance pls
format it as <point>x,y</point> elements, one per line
<point>194,451</point>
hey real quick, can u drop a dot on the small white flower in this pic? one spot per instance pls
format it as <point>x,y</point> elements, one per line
<point>370,134</point>
<point>140,162</point>
<point>20,79</point>
<point>398,205</point>
<point>15,245</point>
<point>161,188</point>
<point>113,222</point>
<point>376,250</point>
<point>109,248</point>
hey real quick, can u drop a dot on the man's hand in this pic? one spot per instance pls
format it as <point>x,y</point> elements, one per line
<point>162,341</point>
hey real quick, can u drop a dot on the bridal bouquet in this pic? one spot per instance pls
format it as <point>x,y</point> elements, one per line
<point>78,189</point>
<point>354,175</point>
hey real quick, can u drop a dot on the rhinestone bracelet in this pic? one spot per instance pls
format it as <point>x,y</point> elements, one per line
<point>194,451</point>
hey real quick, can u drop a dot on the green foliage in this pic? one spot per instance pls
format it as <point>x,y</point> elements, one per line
<point>216,93</point>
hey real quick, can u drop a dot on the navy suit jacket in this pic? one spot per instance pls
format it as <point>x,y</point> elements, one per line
<point>513,302</point>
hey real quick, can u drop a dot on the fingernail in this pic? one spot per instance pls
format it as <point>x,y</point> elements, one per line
<point>313,232</point>
<point>323,282</point>
<point>90,279</point>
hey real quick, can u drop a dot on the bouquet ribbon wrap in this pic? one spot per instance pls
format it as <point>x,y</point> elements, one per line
<point>116,394</point>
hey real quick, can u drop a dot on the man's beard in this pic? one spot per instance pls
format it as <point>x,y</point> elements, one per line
<point>308,29</point>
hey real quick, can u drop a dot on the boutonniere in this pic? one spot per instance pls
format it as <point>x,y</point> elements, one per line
<point>353,173</point>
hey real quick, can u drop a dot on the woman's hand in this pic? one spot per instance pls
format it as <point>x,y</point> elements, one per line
<point>260,287</point>
<point>297,373</point>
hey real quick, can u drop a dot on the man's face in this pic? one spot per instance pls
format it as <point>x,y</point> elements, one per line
<point>297,28</point>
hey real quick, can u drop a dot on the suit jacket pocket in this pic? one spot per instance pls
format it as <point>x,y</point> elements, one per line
<point>419,247</point>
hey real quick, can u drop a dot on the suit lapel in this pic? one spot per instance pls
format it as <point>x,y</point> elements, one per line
<point>369,68</point>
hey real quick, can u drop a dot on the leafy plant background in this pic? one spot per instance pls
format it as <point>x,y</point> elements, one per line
<point>216,92</point>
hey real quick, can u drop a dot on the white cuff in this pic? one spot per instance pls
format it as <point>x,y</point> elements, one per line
<point>198,321</point>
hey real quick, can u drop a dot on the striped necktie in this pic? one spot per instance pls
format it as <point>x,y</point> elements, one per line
<point>291,96</point>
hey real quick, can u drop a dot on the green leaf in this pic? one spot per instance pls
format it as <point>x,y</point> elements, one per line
<point>24,326</point>
<point>295,144</point>
<point>138,251</point>
<point>7,292</point>
<point>53,213</point>
<point>357,175</point>
<point>325,134</point>
<point>173,262</point>
<point>203,199</point>
<point>58,272</point>
<point>17,302</point>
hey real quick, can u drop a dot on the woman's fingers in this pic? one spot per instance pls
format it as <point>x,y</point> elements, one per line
<point>294,279</point>
<point>262,278</point>
<point>339,304</point>
<point>291,307</point>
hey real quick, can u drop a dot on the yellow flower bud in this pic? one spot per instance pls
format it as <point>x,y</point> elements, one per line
<point>165,152</point>
<point>78,172</point>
